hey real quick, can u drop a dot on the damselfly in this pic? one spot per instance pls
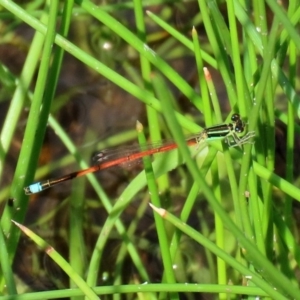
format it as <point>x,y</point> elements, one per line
<point>104,161</point>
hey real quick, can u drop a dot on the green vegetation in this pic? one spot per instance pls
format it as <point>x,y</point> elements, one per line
<point>223,222</point>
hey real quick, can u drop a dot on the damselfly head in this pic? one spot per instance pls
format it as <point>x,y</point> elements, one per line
<point>239,125</point>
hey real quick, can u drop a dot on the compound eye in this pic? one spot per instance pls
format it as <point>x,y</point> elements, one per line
<point>239,127</point>
<point>235,117</point>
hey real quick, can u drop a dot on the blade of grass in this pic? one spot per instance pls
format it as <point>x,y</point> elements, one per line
<point>219,227</point>
<point>284,19</point>
<point>6,268</point>
<point>251,31</point>
<point>293,65</point>
<point>96,65</point>
<point>152,114</point>
<point>243,95</point>
<point>195,235</point>
<point>123,252</point>
<point>111,222</point>
<point>8,129</point>
<point>96,185</point>
<point>169,276</point>
<point>256,210</point>
<point>215,40</point>
<point>228,159</point>
<point>144,288</point>
<point>18,99</point>
<point>252,124</point>
<point>202,82</point>
<point>285,186</point>
<point>33,137</point>
<point>258,260</point>
<point>181,38</point>
<point>60,261</point>
<point>144,50</point>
